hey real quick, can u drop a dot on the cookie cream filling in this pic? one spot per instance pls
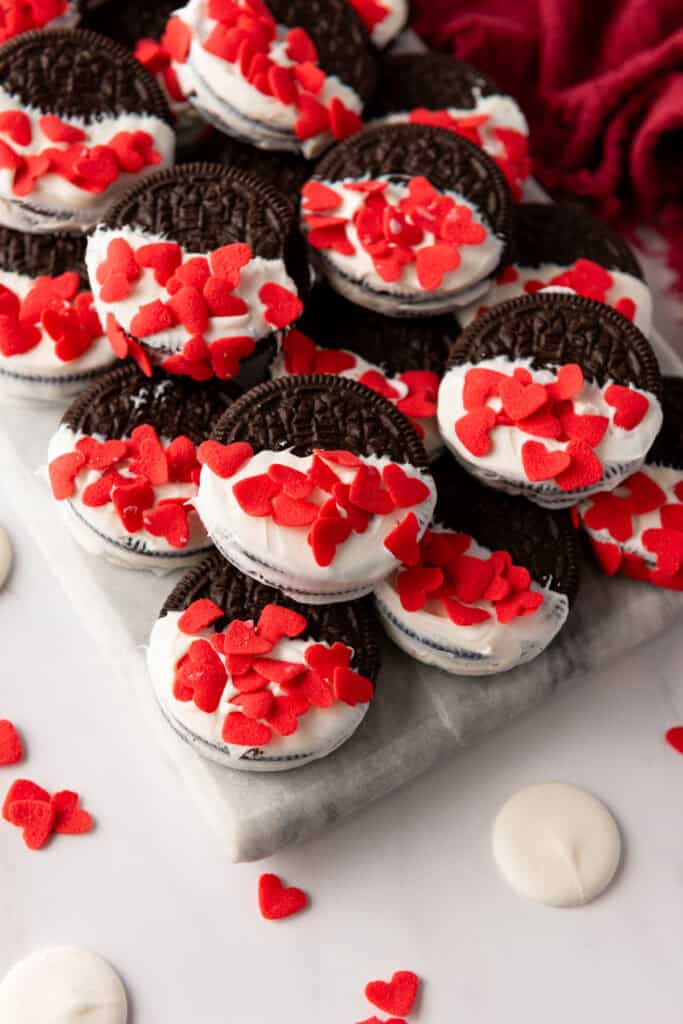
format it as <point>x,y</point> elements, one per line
<point>620,451</point>
<point>430,636</point>
<point>624,291</point>
<point>100,531</point>
<point>232,104</point>
<point>355,276</point>
<point>54,203</point>
<point>318,733</point>
<point>146,289</point>
<point>39,373</point>
<point>428,428</point>
<point>383,27</point>
<point>281,555</point>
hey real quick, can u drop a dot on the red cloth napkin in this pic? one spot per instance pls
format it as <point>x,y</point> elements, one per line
<point>601,82</point>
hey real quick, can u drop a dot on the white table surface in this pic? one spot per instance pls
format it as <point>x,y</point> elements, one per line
<point>409,883</point>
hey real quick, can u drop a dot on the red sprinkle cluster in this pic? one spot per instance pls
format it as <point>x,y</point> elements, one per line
<point>283,493</point>
<point>54,304</point>
<point>393,234</point>
<point>241,653</point>
<point>156,58</point>
<point>514,163</point>
<point>129,471</point>
<point>615,512</point>
<point>194,290</point>
<point>545,410</point>
<point>244,36</point>
<point>91,168</point>
<point>39,815</point>
<point>447,574</point>
<point>584,277</point>
<point>17,17</point>
<point>303,356</point>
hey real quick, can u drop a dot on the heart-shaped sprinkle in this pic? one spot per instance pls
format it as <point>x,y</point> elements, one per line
<point>585,427</point>
<point>11,750</point>
<point>608,556</point>
<point>63,472</point>
<point>674,737</point>
<point>277,902</point>
<point>224,459</point>
<point>396,996</point>
<point>471,577</point>
<point>101,455</point>
<point>170,519</point>
<point>405,490</point>
<point>668,546</point>
<point>518,604</point>
<point>322,476</point>
<point>249,681</point>
<point>177,39</point>
<point>291,512</point>
<point>541,464</point>
<point>150,461</point>
<point>340,457</point>
<point>220,299</point>
<point>568,383</point>
<point>17,125</point>
<point>276,622</point>
<point>241,638</point>
<point>131,500</point>
<point>293,483</point>
<point>330,360</point>
<point>343,120</point>
<point>36,818</point>
<point>612,513</point>
<point>299,352</point>
<point>199,615</point>
<point>402,542</point>
<point>245,732</point>
<point>414,585</point>
<point>461,615</point>
<point>318,197</point>
<point>479,385</point>
<point>433,262</point>
<point>631,406</point>
<point>326,660</point>
<point>325,536</point>
<point>282,307</point>
<point>366,492</point>
<point>313,118</point>
<point>163,258</point>
<point>521,400</point>
<point>473,430</point>
<point>70,819</point>
<point>351,688</point>
<point>282,717</point>
<point>254,705</point>
<point>254,494</point>
<point>200,676</point>
<point>585,468</point>
<point>276,671</point>
<point>190,309</point>
<point>152,318</point>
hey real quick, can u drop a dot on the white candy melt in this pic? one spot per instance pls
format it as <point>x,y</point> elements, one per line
<point>6,557</point>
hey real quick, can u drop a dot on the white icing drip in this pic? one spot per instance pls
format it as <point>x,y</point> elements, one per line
<point>621,451</point>
<point>229,101</point>
<point>624,286</point>
<point>55,202</point>
<point>281,555</point>
<point>319,731</point>
<point>355,276</point>
<point>62,985</point>
<point>491,646</point>
<point>556,844</point>
<point>101,532</point>
<point>145,289</point>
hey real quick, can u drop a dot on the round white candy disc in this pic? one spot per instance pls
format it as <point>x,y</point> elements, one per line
<point>63,985</point>
<point>556,844</point>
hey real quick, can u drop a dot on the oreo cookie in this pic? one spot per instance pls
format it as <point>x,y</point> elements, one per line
<point>637,530</point>
<point>437,89</point>
<point>194,267</point>
<point>124,466</point>
<point>407,220</point>
<point>384,19</point>
<point>286,171</point>
<point>82,121</point>
<point>561,245</point>
<point>286,75</point>
<point>254,680</point>
<point>141,29</point>
<point>403,360</point>
<point>315,485</point>
<point>553,396</point>
<point>51,341</point>
<point>493,585</point>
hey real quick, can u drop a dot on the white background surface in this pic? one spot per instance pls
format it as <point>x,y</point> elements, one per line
<point>409,883</point>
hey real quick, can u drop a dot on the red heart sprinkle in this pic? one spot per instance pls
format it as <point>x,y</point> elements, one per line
<point>569,383</point>
<point>276,671</point>
<point>645,495</point>
<point>471,577</point>
<point>413,586</point>
<point>317,197</point>
<point>325,660</point>
<point>63,471</point>
<point>668,546</point>
<point>341,457</point>
<point>359,519</point>
<point>325,536</point>
<point>473,429</point>
<point>282,717</point>
<point>479,385</point>
<point>200,676</point>
<point>288,511</point>
<point>254,705</point>
<point>397,996</point>
<point>299,47</point>
<point>241,638</point>
<point>248,682</point>
<point>626,307</point>
<point>23,789</point>
<point>17,338</point>
<point>405,490</point>
<point>152,318</point>
<point>151,461</point>
<point>322,476</point>
<point>282,85</point>
<point>674,737</point>
<point>521,604</point>
<point>177,39</point>
<point>224,459</point>
<point>282,307</point>
<point>461,615</point>
<point>433,262</point>
<point>181,458</point>
<point>293,483</point>
<point>276,901</point>
<point>228,261</point>
<point>541,464</point>
<point>70,819</point>
<point>194,272</point>
<point>163,258</point>
<point>521,400</point>
<point>276,622</point>
<point>309,76</point>
<point>99,492</point>
<point>343,120</point>
<point>352,688</point>
<point>218,293</point>
<point>227,354</point>
<point>585,468</point>
<point>612,513</point>
<point>631,406</point>
<point>313,117</point>
<point>366,492</point>
<point>190,309</point>
<point>254,494</point>
<point>299,352</point>
<point>330,360</point>
<point>608,556</point>
<point>130,501</point>
<point>402,542</point>
<point>199,615</point>
<point>36,818</point>
<point>101,454</point>
<point>245,732</point>
<point>376,381</point>
<point>672,517</point>
<point>11,750</point>
<point>17,125</point>
<point>313,687</point>
<point>588,428</point>
<point>169,520</point>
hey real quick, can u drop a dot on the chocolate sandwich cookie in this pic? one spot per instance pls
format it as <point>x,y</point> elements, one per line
<point>437,89</point>
<point>81,122</point>
<point>289,74</point>
<point>384,19</point>
<point>408,220</point>
<point>493,585</point>
<point>124,466</point>
<point>254,680</point>
<point>553,396</point>
<point>287,171</point>
<point>17,17</point>
<point>52,344</point>
<point>402,359</point>
<point>140,27</point>
<point>194,267</point>
<point>561,245</point>
<point>637,529</point>
<point>315,485</point>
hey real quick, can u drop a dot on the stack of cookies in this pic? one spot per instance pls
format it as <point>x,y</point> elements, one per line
<point>362,383</point>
